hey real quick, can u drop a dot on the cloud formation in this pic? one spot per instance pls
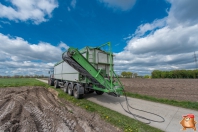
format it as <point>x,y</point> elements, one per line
<point>164,44</point>
<point>17,54</point>
<point>123,5</point>
<point>23,10</point>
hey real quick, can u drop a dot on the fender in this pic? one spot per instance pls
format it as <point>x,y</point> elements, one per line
<point>80,88</point>
<point>72,85</point>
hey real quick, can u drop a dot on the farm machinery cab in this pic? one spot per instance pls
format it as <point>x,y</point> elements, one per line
<point>85,71</point>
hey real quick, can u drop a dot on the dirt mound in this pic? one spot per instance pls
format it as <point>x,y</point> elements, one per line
<point>37,109</point>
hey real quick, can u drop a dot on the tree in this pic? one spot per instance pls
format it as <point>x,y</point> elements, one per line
<point>156,74</point>
<point>124,74</point>
<point>146,76</point>
<point>129,74</point>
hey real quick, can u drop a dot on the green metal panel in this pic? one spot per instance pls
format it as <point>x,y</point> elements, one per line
<point>108,84</point>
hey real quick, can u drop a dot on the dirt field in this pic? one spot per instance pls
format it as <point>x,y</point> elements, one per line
<point>37,109</point>
<point>175,89</point>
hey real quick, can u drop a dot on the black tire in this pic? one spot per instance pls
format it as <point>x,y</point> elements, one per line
<point>76,93</point>
<point>56,84</point>
<point>50,82</point>
<point>99,92</point>
<point>65,88</point>
<point>70,90</point>
<point>91,91</point>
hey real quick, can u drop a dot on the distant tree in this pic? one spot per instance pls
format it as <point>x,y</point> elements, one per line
<point>195,73</point>
<point>129,74</point>
<point>175,74</point>
<point>35,76</point>
<point>169,74</point>
<point>124,74</point>
<point>26,76</point>
<point>16,76</point>
<point>156,74</point>
<point>146,76</point>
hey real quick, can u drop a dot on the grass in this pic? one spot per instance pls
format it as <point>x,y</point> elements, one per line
<point>121,121</point>
<point>17,82</point>
<point>184,104</point>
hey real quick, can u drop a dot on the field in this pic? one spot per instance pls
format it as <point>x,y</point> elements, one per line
<point>29,105</point>
<point>172,89</point>
<point>38,109</point>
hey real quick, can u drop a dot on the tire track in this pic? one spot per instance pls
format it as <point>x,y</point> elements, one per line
<point>35,109</point>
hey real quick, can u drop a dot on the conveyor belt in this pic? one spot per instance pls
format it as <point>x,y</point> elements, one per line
<point>67,58</point>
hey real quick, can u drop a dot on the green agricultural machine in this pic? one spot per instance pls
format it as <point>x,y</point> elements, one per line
<point>86,71</point>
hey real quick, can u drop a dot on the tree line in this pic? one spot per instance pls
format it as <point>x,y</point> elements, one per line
<point>128,74</point>
<point>175,74</point>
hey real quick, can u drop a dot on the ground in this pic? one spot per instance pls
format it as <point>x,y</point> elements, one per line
<point>36,108</point>
<point>173,89</point>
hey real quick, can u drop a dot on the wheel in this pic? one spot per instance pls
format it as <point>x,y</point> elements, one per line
<point>65,88</point>
<point>91,91</point>
<point>50,82</point>
<point>70,90</point>
<point>99,92</point>
<point>56,84</point>
<point>76,93</point>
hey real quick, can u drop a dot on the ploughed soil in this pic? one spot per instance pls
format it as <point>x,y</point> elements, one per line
<point>173,89</point>
<point>32,109</point>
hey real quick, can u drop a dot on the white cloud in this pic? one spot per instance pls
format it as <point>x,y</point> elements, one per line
<point>183,12</point>
<point>73,3</point>
<point>16,54</point>
<point>164,44</point>
<point>63,46</point>
<point>144,28</point>
<point>5,22</point>
<point>166,41</point>
<point>68,9</point>
<point>123,5</point>
<point>35,10</point>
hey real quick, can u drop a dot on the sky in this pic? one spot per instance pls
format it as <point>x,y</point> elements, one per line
<point>145,35</point>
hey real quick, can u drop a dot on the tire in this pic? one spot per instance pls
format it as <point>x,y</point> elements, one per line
<point>50,82</point>
<point>76,93</point>
<point>65,88</point>
<point>99,92</point>
<point>91,91</point>
<point>56,84</point>
<point>70,90</point>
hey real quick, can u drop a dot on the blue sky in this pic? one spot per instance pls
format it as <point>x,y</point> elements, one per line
<point>145,34</point>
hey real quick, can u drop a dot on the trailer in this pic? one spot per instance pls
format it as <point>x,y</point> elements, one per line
<point>86,71</point>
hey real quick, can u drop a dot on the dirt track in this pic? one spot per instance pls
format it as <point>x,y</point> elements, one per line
<point>37,109</point>
<point>175,89</point>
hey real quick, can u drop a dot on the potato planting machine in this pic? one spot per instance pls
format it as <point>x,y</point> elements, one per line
<point>85,71</point>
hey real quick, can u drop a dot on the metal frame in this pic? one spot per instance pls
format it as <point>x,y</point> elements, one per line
<point>108,85</point>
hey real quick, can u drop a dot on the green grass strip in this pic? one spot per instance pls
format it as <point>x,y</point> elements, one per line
<point>17,82</point>
<point>184,104</point>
